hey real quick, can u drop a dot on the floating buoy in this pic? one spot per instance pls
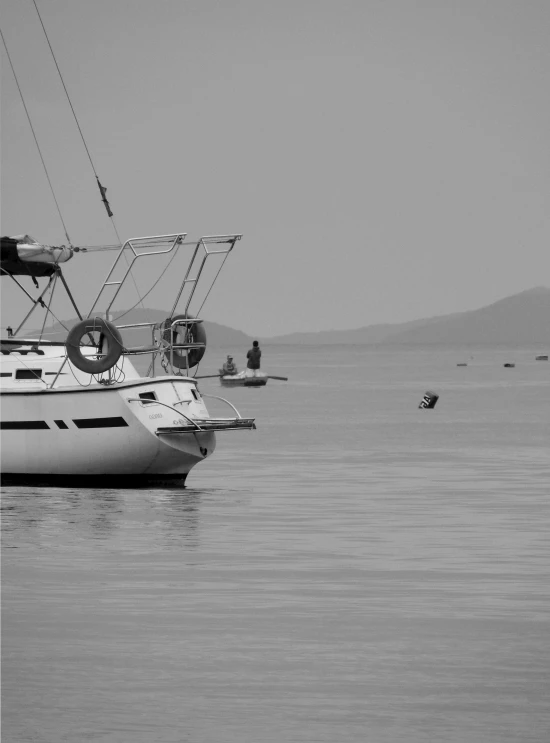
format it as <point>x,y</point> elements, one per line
<point>509,366</point>
<point>429,400</point>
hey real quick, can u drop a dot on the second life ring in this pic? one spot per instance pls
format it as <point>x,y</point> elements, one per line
<point>111,346</point>
<point>192,333</point>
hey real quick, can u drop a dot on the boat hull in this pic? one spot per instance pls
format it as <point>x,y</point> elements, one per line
<point>243,382</point>
<point>102,432</point>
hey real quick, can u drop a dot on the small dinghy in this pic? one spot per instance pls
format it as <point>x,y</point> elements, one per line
<point>243,380</point>
<point>542,357</point>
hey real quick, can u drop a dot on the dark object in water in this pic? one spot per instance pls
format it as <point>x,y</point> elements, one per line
<point>462,364</point>
<point>543,357</point>
<point>509,366</point>
<point>429,400</point>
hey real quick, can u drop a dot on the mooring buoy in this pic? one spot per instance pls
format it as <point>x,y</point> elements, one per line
<point>429,400</point>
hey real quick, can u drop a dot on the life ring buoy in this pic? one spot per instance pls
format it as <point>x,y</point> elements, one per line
<point>110,343</point>
<point>194,333</point>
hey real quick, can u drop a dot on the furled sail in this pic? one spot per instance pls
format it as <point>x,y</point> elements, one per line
<point>22,255</point>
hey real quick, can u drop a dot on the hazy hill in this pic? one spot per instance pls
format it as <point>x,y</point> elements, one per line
<point>216,334</point>
<point>369,334</point>
<point>521,318</point>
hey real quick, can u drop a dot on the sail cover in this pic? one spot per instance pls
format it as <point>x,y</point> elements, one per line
<point>22,255</point>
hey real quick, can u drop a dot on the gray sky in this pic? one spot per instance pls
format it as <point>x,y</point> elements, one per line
<point>385,160</point>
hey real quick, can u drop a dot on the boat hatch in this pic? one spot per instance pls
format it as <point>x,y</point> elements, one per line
<point>147,396</point>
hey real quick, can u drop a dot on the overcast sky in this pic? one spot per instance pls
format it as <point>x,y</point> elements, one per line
<point>385,160</point>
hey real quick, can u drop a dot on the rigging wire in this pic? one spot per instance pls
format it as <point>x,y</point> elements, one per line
<point>52,332</point>
<point>65,89</point>
<point>49,306</point>
<point>212,284</point>
<point>102,190</point>
<point>148,292</point>
<point>206,297</point>
<point>36,140</point>
<point>60,322</point>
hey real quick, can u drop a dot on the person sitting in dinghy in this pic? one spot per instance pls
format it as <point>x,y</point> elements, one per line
<point>229,366</point>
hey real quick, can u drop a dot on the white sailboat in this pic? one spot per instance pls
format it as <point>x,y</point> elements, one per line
<point>78,409</point>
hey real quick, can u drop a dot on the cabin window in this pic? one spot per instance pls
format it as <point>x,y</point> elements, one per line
<point>195,394</point>
<point>147,396</point>
<point>28,373</point>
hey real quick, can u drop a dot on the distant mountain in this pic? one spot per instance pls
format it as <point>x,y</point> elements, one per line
<point>369,334</point>
<point>521,318</point>
<point>216,335</point>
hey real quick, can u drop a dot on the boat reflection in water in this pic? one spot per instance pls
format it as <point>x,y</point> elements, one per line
<point>71,518</point>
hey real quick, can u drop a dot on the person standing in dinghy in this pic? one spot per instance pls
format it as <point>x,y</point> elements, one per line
<point>253,364</point>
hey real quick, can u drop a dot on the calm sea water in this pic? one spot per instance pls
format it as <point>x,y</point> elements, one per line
<point>356,569</point>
